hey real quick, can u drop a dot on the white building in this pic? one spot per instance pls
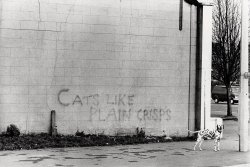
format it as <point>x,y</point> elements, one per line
<point>105,66</point>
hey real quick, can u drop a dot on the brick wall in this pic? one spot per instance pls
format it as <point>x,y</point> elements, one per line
<point>105,66</point>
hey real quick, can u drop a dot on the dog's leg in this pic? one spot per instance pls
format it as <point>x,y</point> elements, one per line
<point>198,141</point>
<point>199,138</point>
<point>200,144</point>
<point>218,145</point>
<point>215,145</point>
<point>196,144</point>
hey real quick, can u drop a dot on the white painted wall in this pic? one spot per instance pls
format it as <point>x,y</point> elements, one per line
<point>206,67</point>
<point>105,66</point>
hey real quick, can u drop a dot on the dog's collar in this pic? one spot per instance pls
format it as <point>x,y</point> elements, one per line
<point>220,131</point>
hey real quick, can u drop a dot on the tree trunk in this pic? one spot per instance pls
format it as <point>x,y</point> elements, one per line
<point>229,107</point>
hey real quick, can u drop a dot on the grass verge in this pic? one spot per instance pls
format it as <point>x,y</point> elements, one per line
<point>44,140</point>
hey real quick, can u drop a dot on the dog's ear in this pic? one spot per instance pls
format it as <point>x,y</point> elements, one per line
<point>220,127</point>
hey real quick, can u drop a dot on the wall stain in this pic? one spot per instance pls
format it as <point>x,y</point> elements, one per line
<point>178,153</point>
<point>21,154</point>
<point>97,155</point>
<point>152,151</point>
<point>117,158</point>
<point>75,158</point>
<point>36,159</point>
<point>187,149</point>
<point>6,154</point>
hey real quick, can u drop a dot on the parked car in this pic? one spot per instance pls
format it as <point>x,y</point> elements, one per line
<point>219,93</point>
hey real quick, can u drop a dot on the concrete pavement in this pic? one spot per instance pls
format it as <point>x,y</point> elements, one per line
<point>143,155</point>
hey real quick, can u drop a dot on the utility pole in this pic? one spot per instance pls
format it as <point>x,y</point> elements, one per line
<point>244,75</point>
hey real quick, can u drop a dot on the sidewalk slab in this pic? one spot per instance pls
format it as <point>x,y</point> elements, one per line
<point>171,154</point>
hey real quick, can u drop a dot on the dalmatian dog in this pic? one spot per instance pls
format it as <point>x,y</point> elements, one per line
<point>209,134</point>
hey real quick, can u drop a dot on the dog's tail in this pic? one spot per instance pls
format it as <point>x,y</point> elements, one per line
<point>193,131</point>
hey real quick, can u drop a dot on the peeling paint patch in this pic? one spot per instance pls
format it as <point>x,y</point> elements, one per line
<point>137,148</point>
<point>94,157</point>
<point>6,154</point>
<point>75,158</point>
<point>36,159</point>
<point>95,149</point>
<point>152,157</point>
<point>21,154</point>
<point>152,151</point>
<point>123,149</point>
<point>187,149</point>
<point>64,150</point>
<point>178,153</point>
<point>97,156</point>
<point>138,154</point>
<point>117,158</point>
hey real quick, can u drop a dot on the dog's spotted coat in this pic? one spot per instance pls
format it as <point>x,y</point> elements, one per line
<point>209,134</point>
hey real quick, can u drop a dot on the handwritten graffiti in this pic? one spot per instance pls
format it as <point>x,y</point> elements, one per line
<point>112,114</point>
<point>156,114</point>
<point>110,99</point>
<point>121,99</point>
<point>91,99</point>
<point>59,97</point>
<point>125,115</point>
<point>119,107</point>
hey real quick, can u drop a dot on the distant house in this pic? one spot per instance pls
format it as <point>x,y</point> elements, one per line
<point>105,66</point>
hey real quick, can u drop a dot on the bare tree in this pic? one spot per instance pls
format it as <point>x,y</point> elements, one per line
<point>226,45</point>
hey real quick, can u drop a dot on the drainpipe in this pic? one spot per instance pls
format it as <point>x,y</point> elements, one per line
<point>203,62</point>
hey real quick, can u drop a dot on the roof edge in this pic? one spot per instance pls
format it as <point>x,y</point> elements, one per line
<point>200,2</point>
<point>206,2</point>
<point>193,2</point>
